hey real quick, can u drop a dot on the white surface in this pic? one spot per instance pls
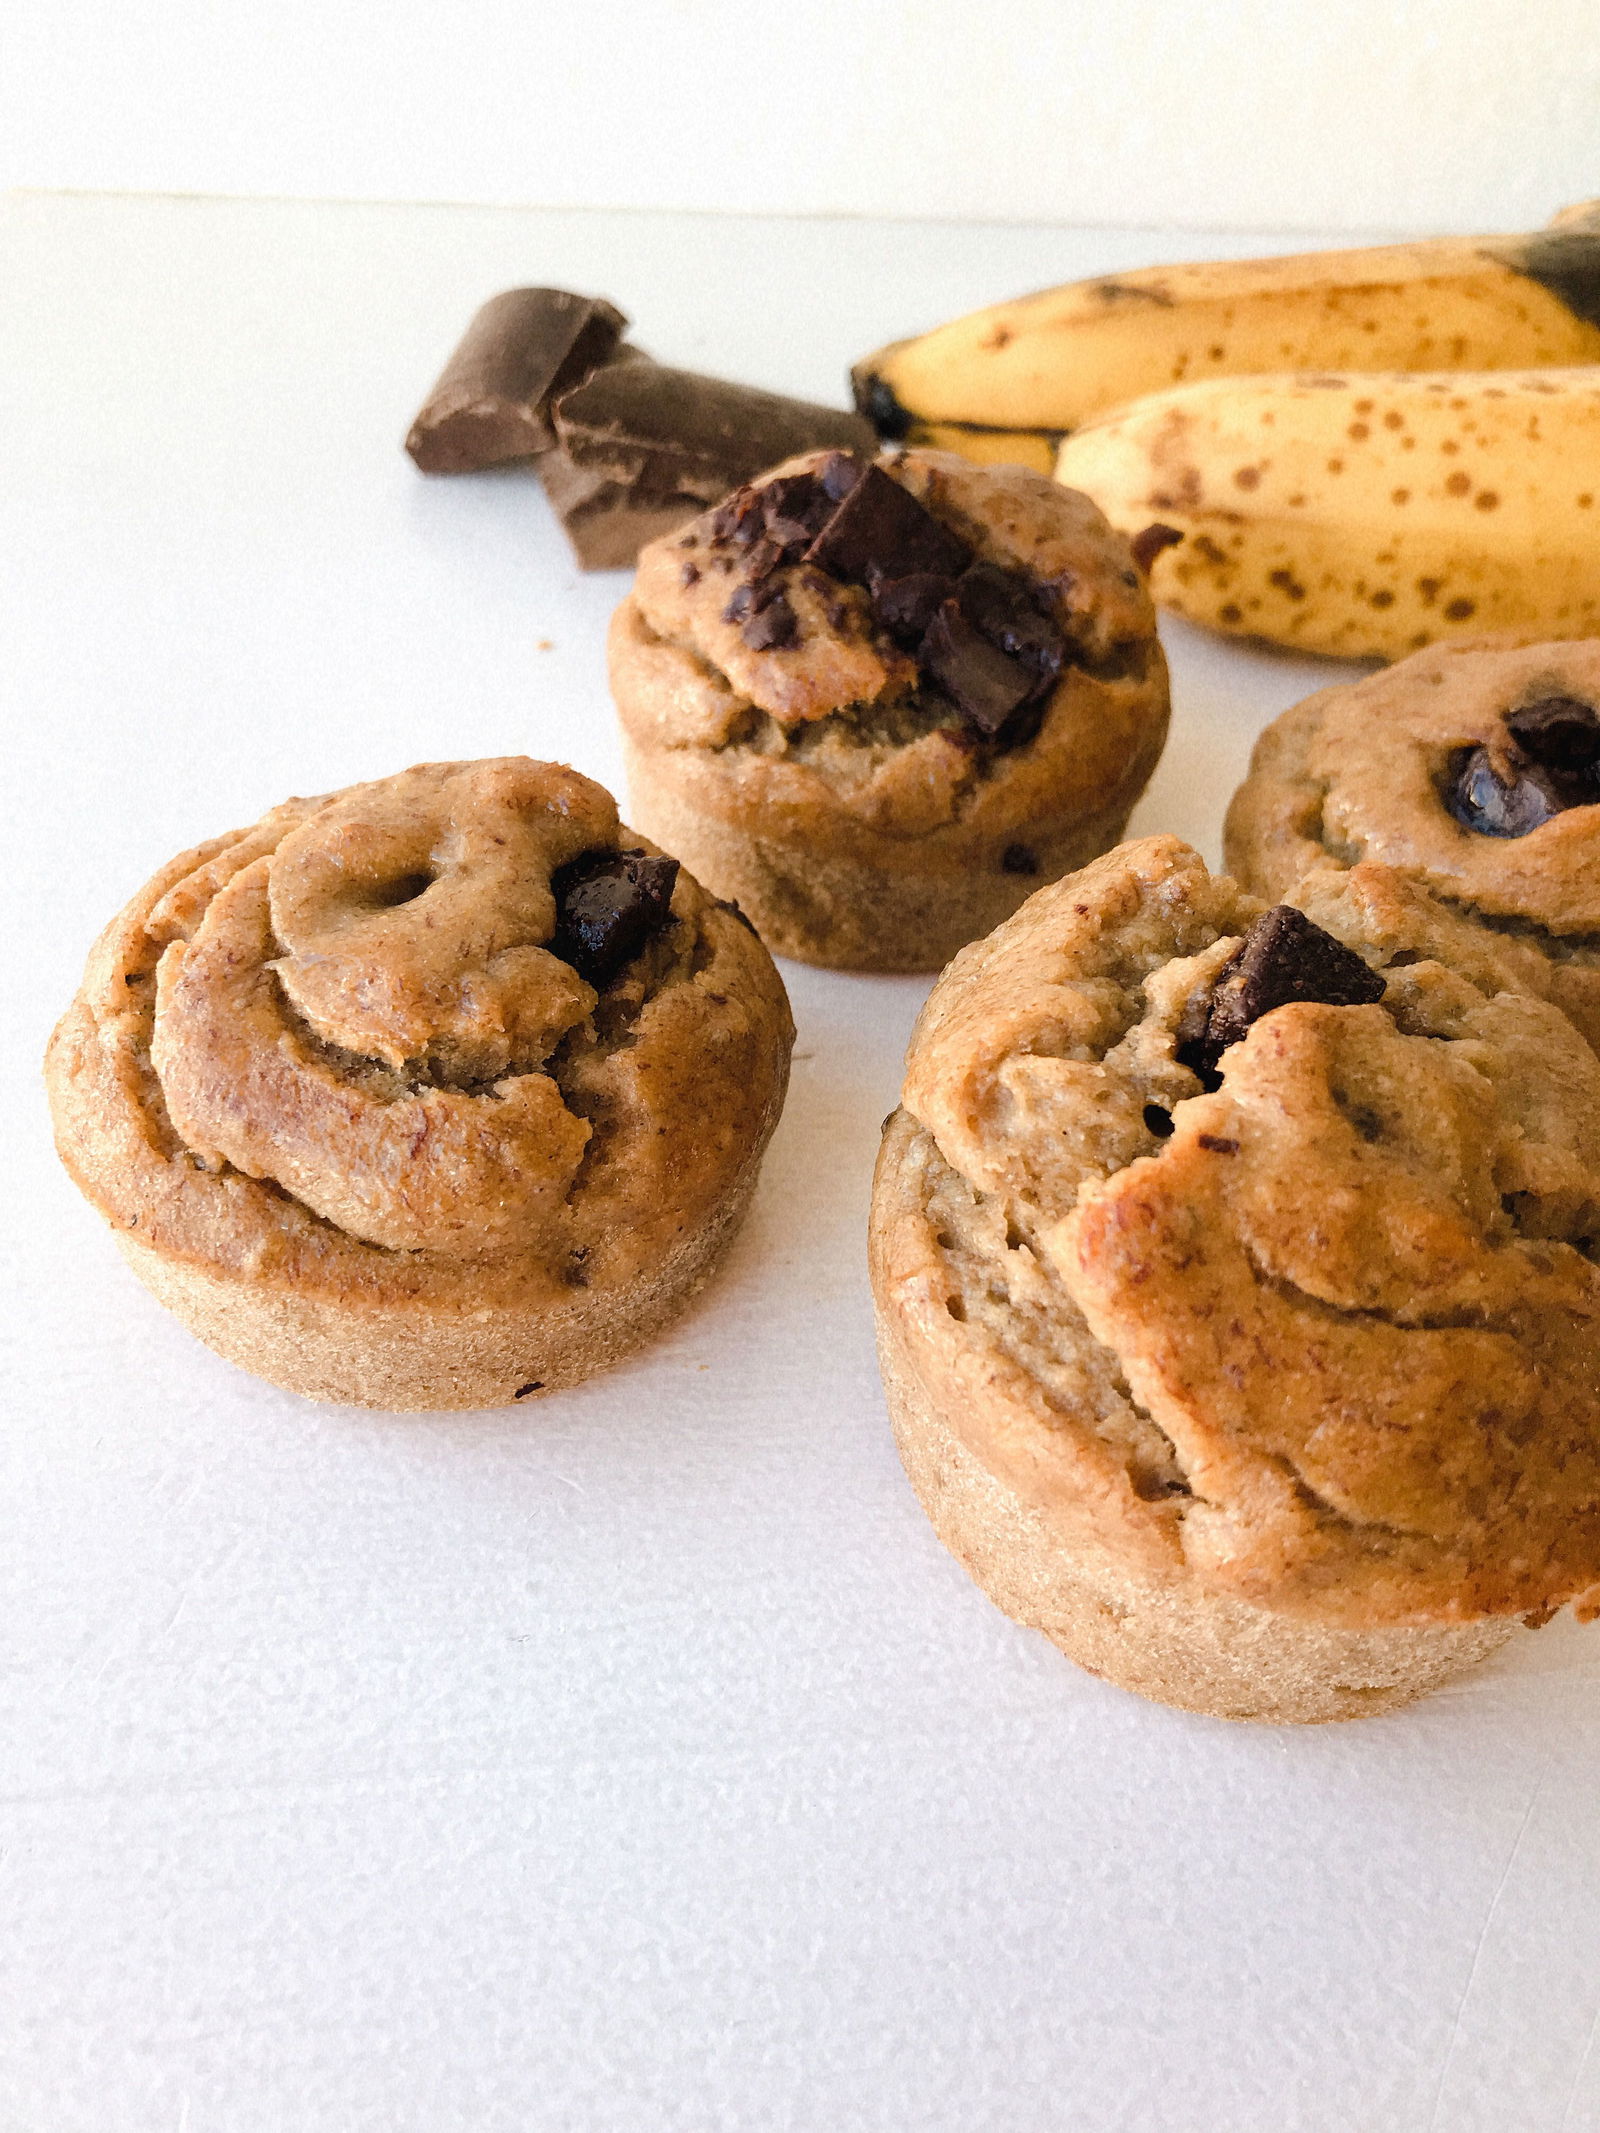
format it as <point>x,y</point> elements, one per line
<point>1448,114</point>
<point>639,1763</point>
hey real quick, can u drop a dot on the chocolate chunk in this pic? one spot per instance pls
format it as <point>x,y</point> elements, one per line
<point>880,528</point>
<point>608,904</point>
<point>1498,799</point>
<point>492,400</point>
<point>773,627</point>
<point>839,473</point>
<point>1283,958</point>
<point>740,519</point>
<point>1001,605</point>
<point>1558,732</point>
<point>905,606</point>
<point>1148,545</point>
<point>986,685</point>
<point>795,508</point>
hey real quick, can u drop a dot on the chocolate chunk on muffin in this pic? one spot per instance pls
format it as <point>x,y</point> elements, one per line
<point>441,1091</point>
<point>1238,1285</point>
<point>1475,768</point>
<point>878,701</point>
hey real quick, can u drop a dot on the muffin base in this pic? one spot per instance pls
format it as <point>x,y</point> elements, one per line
<point>841,912</point>
<point>1204,1653</point>
<point>414,1357</point>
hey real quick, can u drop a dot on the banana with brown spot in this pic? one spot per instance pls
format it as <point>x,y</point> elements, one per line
<point>1049,362</point>
<point>1364,515</point>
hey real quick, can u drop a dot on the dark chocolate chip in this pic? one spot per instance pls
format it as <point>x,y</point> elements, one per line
<point>772,627</point>
<point>740,518</point>
<point>795,507</point>
<point>749,599</point>
<point>986,685</point>
<point>1284,957</point>
<point>608,904</point>
<point>881,527</point>
<point>1557,732</point>
<point>1019,859</point>
<point>533,1385</point>
<point>905,606</point>
<point>1148,545</point>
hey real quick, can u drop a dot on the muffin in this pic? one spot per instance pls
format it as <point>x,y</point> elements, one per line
<point>1236,1282</point>
<point>879,702</point>
<point>441,1091</point>
<point>1476,769</point>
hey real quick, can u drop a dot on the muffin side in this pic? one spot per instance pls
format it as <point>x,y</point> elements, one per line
<point>1276,1397</point>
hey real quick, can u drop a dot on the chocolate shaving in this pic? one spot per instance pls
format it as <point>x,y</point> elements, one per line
<point>1283,958</point>
<point>773,627</point>
<point>1149,544</point>
<point>608,904</point>
<point>906,606</point>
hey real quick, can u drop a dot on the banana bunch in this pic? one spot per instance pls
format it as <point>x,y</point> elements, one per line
<point>1366,514</point>
<point>1006,382</point>
<point>1363,451</point>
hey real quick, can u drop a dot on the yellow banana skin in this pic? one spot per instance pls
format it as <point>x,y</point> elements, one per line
<point>989,447</point>
<point>1363,515</point>
<point>1055,360</point>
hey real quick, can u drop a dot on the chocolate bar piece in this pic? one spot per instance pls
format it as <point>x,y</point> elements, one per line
<point>666,431</point>
<point>492,401</point>
<point>641,449</point>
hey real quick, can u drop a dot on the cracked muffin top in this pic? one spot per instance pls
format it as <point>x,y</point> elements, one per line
<point>451,1028</point>
<point>907,633</point>
<point>1264,1243</point>
<point>1475,768</point>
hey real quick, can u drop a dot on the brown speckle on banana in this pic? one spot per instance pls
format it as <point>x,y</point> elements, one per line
<point>1387,511</point>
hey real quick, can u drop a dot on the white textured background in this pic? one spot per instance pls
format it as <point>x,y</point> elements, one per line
<point>1242,113</point>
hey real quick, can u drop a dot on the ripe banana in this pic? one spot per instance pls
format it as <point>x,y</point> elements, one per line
<point>1049,362</point>
<point>1363,515</point>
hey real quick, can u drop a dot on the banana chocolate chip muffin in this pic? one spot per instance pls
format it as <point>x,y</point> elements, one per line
<point>879,702</point>
<point>1475,768</point>
<point>441,1091</point>
<point>1237,1285</point>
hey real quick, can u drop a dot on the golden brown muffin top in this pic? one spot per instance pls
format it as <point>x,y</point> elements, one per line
<point>1315,1316</point>
<point>1421,767</point>
<point>451,1026</point>
<point>756,633</point>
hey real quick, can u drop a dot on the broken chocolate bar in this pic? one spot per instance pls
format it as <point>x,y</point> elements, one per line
<point>1283,958</point>
<point>642,449</point>
<point>608,904</point>
<point>492,401</point>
